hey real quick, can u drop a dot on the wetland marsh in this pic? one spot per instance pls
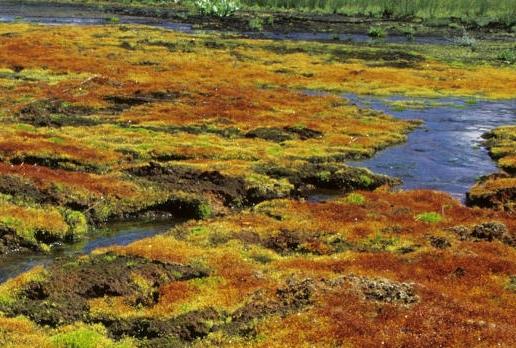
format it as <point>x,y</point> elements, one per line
<point>180,181</point>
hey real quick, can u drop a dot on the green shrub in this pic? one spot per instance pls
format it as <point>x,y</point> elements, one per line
<point>77,222</point>
<point>365,180</point>
<point>465,40</point>
<point>324,176</point>
<point>429,217</point>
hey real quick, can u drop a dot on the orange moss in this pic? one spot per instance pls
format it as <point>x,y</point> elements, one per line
<point>44,177</point>
<point>160,248</point>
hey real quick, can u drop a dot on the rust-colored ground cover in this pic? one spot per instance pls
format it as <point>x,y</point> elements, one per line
<point>290,273</point>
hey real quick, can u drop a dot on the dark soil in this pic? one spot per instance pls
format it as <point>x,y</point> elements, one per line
<point>10,243</point>
<point>123,102</point>
<point>56,113</point>
<point>488,231</point>
<point>329,175</point>
<point>279,135</point>
<point>231,191</point>
<point>439,242</point>
<point>187,327</point>
<point>383,290</point>
<point>62,297</point>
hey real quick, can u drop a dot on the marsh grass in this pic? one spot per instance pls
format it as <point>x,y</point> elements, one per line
<point>501,10</point>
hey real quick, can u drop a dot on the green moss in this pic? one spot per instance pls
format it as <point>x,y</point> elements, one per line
<point>365,180</point>
<point>511,284</point>
<point>324,176</point>
<point>77,222</point>
<point>198,231</point>
<point>204,211</point>
<point>83,336</point>
<point>256,24</point>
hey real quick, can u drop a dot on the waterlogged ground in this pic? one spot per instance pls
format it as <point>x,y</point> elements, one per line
<point>114,122</point>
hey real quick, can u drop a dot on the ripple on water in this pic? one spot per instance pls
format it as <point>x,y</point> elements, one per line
<point>445,154</point>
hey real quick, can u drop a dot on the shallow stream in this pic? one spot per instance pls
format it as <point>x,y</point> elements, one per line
<point>446,152</point>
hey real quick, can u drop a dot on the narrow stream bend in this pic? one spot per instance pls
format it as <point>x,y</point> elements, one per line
<point>446,152</point>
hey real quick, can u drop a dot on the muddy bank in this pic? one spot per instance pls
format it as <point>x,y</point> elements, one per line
<point>498,190</point>
<point>16,259</point>
<point>186,193</point>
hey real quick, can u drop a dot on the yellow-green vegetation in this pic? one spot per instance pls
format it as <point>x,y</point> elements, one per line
<point>501,143</point>
<point>31,226</point>
<point>498,190</point>
<point>262,277</point>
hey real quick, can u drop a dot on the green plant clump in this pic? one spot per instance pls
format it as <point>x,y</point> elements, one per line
<point>355,198</point>
<point>429,217</point>
<point>256,24</point>
<point>217,8</point>
<point>376,32</point>
<point>507,56</point>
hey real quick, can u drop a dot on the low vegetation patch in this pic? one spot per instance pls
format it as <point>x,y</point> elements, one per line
<point>257,275</point>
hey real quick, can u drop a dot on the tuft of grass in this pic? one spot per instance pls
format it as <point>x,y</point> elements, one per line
<point>355,198</point>
<point>376,32</point>
<point>204,211</point>
<point>507,56</point>
<point>429,217</point>
<point>465,40</point>
<point>256,24</point>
